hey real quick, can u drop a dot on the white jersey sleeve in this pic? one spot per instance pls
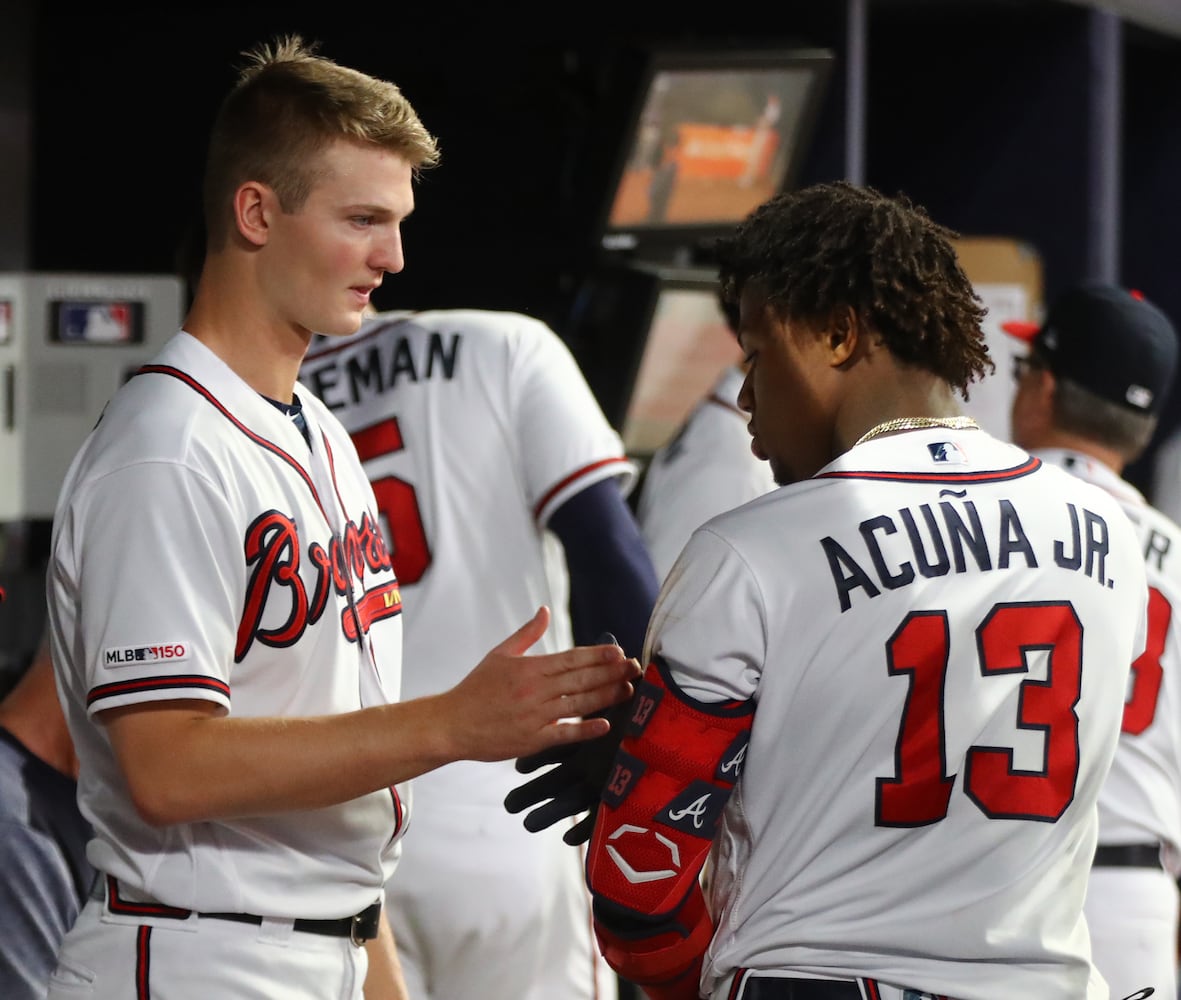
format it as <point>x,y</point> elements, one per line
<point>936,632</point>
<point>149,636</point>
<point>556,417</point>
<point>705,469</point>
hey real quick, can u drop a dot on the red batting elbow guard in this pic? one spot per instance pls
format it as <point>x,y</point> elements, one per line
<point>664,955</point>
<point>674,772</point>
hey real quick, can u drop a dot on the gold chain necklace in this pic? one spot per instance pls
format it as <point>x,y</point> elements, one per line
<point>913,423</point>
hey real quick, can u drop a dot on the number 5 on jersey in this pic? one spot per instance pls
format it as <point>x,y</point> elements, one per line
<point>397,502</point>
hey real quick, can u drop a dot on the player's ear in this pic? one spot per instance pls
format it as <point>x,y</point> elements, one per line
<point>1042,387</point>
<point>254,204</point>
<point>843,334</point>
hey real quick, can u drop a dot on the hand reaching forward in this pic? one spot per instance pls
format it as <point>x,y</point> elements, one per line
<point>572,788</point>
<point>510,705</point>
<point>513,704</point>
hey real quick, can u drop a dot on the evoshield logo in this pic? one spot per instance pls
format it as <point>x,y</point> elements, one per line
<point>638,876</point>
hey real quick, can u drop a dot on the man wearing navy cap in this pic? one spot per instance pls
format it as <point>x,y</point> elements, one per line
<point>1089,394</point>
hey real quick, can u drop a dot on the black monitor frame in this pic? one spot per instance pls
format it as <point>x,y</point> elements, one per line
<point>611,324</point>
<point>801,78</point>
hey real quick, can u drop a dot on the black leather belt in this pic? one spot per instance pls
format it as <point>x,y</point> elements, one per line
<point>1127,856</point>
<point>358,928</point>
<point>777,988</point>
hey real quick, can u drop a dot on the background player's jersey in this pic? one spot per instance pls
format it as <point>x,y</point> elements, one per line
<point>475,426</point>
<point>706,468</point>
<point>452,378</point>
<point>939,657</point>
<point>1141,799</point>
<point>288,606</point>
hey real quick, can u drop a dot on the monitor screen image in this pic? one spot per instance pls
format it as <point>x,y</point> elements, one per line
<point>688,345</point>
<point>714,137</point>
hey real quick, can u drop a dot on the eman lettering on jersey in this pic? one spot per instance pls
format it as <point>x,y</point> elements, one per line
<point>893,550</point>
<point>378,367</point>
<point>273,557</point>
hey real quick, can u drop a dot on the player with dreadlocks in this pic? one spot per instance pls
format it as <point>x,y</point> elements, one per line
<point>879,701</point>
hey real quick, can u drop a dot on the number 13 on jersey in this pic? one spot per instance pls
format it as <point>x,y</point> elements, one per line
<point>920,790</point>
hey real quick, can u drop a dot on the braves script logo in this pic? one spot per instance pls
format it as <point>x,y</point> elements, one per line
<point>272,550</point>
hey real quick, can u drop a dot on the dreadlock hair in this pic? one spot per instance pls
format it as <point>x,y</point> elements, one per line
<point>822,248</point>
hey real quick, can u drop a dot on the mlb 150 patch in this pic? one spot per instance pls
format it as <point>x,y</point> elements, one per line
<point>164,652</point>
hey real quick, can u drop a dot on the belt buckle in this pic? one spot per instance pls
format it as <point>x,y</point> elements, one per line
<point>363,926</point>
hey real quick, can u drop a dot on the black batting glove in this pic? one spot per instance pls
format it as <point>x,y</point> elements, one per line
<point>574,784</point>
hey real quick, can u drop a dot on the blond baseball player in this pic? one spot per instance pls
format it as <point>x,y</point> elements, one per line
<point>705,469</point>
<point>882,699</point>
<point>494,471</point>
<point>224,614</point>
<point>1089,394</point>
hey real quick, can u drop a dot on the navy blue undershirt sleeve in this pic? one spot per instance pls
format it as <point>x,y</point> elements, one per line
<point>613,584</point>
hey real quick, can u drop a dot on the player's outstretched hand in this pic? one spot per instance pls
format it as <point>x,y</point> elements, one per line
<point>574,785</point>
<point>514,704</point>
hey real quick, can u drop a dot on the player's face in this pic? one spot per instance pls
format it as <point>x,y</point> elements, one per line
<point>788,392</point>
<point>324,261</point>
<point>1031,416</point>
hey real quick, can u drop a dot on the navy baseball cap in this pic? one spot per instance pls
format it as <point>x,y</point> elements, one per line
<point>1109,340</point>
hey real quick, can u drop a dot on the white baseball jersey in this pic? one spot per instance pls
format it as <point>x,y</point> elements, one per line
<point>936,630</point>
<point>201,550</point>
<point>705,469</point>
<point>1140,802</point>
<point>474,427</point>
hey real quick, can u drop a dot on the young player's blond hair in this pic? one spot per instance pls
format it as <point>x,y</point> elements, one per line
<point>289,104</point>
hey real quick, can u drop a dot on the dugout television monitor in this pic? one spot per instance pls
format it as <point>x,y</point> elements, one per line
<point>712,135</point>
<point>652,341</point>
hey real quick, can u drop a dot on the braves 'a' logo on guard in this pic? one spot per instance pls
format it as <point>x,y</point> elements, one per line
<point>273,553</point>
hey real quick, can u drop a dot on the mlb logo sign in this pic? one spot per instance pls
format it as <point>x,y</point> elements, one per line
<point>947,453</point>
<point>96,322</point>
